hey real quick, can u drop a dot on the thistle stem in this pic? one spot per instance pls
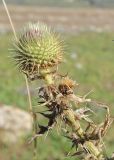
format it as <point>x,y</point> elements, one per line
<point>69,115</point>
<point>49,79</point>
<point>72,122</point>
<point>47,76</point>
<point>93,149</point>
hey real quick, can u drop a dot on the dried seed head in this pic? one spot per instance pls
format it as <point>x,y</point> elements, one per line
<point>37,48</point>
<point>69,82</point>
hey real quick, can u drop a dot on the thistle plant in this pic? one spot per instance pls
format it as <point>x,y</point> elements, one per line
<point>38,51</point>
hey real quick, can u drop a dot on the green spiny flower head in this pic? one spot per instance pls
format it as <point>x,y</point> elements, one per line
<point>37,47</point>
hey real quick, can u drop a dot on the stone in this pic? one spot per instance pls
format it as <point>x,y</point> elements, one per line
<point>14,124</point>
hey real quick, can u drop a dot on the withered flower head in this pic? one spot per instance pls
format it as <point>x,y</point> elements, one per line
<point>68,82</point>
<point>37,47</point>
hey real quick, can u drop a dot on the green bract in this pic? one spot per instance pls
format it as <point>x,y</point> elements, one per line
<point>37,48</point>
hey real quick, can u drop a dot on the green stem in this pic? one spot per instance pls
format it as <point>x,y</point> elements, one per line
<point>69,115</point>
<point>93,149</point>
<point>49,79</point>
<point>72,122</point>
<point>47,76</point>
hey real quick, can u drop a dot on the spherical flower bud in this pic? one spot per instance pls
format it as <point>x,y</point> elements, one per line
<point>36,48</point>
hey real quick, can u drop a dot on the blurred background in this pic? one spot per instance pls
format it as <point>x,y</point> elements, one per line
<point>87,26</point>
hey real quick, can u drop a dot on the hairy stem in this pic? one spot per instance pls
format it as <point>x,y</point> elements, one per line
<point>75,125</point>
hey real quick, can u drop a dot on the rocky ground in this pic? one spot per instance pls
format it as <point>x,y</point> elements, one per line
<point>64,20</point>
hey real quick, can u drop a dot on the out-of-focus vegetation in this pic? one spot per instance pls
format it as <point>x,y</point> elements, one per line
<point>89,59</point>
<point>65,3</point>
